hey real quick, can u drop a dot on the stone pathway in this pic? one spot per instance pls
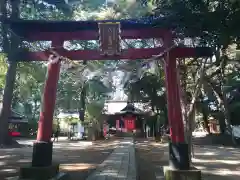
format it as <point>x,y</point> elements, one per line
<point>150,157</point>
<point>119,165</point>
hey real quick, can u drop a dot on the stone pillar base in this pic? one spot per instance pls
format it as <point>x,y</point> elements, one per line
<point>41,173</point>
<point>174,174</point>
<point>42,154</point>
<point>178,156</point>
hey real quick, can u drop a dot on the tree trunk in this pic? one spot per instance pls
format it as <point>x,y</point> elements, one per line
<point>222,123</point>
<point>82,109</point>
<point>6,105</point>
<point>189,113</point>
<point>190,125</point>
<point>10,49</point>
<point>220,92</point>
<point>205,120</point>
<point>223,104</point>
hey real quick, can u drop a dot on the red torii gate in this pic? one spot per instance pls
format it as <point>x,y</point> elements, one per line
<point>58,32</point>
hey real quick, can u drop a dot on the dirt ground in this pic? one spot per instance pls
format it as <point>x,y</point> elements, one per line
<point>215,162</point>
<point>75,159</point>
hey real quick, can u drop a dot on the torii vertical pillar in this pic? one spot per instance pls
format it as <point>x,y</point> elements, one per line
<point>178,149</point>
<point>43,147</point>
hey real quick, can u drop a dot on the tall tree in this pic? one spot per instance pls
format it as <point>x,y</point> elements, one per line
<point>10,49</point>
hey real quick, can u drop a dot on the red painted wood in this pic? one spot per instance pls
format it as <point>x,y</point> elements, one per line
<point>95,54</point>
<point>48,101</point>
<point>173,97</point>
<point>129,123</point>
<point>14,134</point>
<point>183,52</point>
<point>94,35</point>
<point>126,54</point>
<point>169,104</point>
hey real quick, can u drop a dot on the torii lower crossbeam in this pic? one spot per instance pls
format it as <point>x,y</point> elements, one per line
<point>127,54</point>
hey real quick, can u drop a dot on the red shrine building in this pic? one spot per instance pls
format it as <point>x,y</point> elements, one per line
<point>127,119</point>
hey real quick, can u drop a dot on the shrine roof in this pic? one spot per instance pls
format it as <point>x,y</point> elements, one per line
<point>130,108</point>
<point>34,26</point>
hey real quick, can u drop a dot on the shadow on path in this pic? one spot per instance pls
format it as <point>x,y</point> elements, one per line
<point>221,163</point>
<point>77,162</point>
<point>216,162</point>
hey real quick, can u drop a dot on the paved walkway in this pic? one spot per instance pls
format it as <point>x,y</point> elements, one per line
<point>120,165</point>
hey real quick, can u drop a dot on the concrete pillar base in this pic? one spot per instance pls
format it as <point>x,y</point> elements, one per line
<point>174,174</point>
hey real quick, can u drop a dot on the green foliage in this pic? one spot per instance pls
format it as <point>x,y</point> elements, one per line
<point>3,70</point>
<point>149,88</point>
<point>28,89</point>
<point>71,120</point>
<point>95,109</point>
